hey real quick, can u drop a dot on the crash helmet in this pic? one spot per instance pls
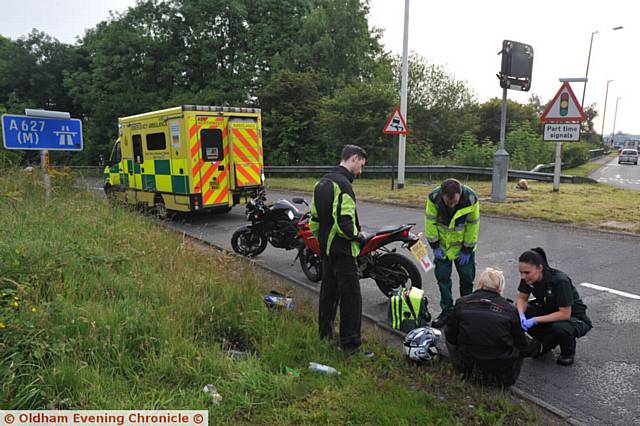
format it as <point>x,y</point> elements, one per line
<point>420,344</point>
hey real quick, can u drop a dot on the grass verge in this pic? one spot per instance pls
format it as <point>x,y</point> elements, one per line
<point>592,205</point>
<point>104,309</point>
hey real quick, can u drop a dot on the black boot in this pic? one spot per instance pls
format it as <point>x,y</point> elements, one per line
<point>567,351</point>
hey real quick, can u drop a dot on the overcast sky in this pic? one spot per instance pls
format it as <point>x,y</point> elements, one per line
<point>464,36</point>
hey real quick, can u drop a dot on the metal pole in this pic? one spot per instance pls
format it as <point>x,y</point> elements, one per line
<point>557,167</point>
<point>586,74</point>
<point>615,116</point>
<point>403,94</point>
<point>501,158</point>
<point>604,114</point>
<point>44,165</point>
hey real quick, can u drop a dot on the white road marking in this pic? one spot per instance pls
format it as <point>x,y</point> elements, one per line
<point>611,290</point>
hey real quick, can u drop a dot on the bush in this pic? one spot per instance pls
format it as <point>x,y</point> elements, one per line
<point>575,154</point>
<point>471,153</point>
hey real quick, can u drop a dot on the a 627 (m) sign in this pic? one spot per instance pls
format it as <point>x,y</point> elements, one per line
<point>23,132</point>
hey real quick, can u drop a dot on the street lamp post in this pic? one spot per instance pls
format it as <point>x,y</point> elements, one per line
<point>586,74</point>
<point>604,114</point>
<point>615,116</point>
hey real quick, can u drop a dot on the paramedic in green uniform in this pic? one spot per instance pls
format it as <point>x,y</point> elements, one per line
<point>452,223</point>
<point>557,315</point>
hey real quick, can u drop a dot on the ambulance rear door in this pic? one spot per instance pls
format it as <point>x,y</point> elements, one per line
<point>209,157</point>
<point>246,148</point>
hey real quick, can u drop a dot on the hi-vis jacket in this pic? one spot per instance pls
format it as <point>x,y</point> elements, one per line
<point>334,219</point>
<point>452,230</point>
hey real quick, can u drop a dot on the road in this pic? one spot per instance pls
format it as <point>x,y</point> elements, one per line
<point>603,386</point>
<point>620,175</point>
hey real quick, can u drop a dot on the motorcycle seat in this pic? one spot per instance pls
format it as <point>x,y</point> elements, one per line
<point>390,229</point>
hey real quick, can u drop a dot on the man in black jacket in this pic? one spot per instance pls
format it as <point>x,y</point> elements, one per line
<point>334,222</point>
<point>484,336</point>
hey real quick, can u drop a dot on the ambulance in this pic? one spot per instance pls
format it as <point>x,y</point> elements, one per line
<point>187,158</point>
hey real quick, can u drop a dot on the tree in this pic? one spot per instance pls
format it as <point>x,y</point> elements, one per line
<point>356,115</point>
<point>438,106</point>
<point>291,106</point>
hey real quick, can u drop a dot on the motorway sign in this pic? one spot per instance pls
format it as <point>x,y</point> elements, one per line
<point>562,132</point>
<point>564,107</point>
<point>22,132</point>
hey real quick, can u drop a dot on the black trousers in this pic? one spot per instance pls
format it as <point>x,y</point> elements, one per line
<point>552,334</point>
<point>497,373</point>
<point>341,286</point>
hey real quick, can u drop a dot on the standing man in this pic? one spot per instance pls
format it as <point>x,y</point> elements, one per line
<point>334,223</point>
<point>452,222</point>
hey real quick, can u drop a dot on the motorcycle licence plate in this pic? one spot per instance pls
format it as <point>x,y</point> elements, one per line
<point>419,251</point>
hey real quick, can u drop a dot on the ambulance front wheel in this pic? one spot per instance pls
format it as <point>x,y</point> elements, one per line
<point>248,243</point>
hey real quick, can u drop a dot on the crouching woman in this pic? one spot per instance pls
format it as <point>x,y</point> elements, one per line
<point>556,315</point>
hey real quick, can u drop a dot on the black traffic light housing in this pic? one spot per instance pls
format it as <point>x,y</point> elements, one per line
<point>517,63</point>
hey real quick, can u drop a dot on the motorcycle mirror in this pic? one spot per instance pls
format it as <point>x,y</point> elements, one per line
<point>299,200</point>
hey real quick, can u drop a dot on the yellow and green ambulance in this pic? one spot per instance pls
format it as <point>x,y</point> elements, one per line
<point>187,158</point>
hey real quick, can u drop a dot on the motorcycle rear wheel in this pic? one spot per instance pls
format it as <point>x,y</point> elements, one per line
<point>311,264</point>
<point>248,243</point>
<point>393,271</point>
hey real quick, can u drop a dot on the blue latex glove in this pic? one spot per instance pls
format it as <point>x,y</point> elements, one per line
<point>522,320</point>
<point>528,323</point>
<point>463,257</point>
<point>438,253</point>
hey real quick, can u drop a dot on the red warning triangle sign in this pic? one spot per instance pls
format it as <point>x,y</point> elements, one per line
<point>563,107</point>
<point>396,124</point>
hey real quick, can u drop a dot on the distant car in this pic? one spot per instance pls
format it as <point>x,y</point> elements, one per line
<point>628,156</point>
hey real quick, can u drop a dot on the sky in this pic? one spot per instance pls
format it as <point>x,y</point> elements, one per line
<point>464,36</point>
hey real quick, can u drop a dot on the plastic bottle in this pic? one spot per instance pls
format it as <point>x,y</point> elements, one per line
<point>321,368</point>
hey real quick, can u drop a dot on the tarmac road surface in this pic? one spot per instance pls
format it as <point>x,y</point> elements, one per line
<point>624,175</point>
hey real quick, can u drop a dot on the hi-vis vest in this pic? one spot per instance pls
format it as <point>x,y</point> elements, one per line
<point>408,310</point>
<point>463,228</point>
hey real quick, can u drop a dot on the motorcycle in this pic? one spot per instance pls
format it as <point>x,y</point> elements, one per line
<point>274,223</point>
<point>389,269</point>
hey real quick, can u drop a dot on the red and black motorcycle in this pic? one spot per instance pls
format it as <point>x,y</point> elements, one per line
<point>389,269</point>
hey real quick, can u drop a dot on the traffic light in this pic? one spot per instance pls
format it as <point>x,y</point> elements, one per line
<point>564,104</point>
<point>517,65</point>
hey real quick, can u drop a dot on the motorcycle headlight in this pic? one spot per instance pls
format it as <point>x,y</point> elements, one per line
<point>290,214</point>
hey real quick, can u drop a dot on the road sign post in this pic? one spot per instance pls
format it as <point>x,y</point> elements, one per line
<point>396,126</point>
<point>562,123</point>
<point>515,74</point>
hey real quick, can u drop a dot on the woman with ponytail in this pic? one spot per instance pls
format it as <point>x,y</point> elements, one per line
<point>556,315</point>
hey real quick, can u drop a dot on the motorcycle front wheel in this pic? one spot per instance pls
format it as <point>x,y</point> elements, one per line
<point>248,243</point>
<point>393,271</point>
<point>311,264</point>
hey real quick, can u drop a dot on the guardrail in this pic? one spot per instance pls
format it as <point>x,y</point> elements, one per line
<point>436,169</point>
<point>416,170</point>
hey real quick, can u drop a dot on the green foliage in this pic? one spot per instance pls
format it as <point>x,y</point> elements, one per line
<point>291,104</point>
<point>526,148</point>
<point>356,115</point>
<point>439,106</point>
<point>471,153</point>
<point>575,154</point>
<point>489,117</point>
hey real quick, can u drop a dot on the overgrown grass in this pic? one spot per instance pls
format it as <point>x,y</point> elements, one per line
<point>592,205</point>
<point>104,309</point>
